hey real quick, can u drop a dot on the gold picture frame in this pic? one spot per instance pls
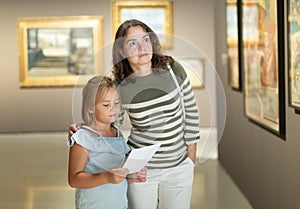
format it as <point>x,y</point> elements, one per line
<point>58,51</point>
<point>161,13</point>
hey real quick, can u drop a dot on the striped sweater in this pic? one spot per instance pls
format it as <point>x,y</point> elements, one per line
<point>154,107</point>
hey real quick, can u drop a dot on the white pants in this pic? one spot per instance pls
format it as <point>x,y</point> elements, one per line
<point>169,188</point>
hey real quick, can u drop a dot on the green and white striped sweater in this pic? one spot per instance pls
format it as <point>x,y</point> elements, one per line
<point>155,111</point>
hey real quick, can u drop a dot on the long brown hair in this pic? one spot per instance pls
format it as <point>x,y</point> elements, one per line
<point>122,67</point>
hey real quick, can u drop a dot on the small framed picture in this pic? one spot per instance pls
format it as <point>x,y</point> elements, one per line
<point>194,68</point>
<point>161,13</point>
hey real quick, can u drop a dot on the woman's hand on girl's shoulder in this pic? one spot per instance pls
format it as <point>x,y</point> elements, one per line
<point>72,129</point>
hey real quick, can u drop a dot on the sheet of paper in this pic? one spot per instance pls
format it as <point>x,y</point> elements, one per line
<point>138,158</point>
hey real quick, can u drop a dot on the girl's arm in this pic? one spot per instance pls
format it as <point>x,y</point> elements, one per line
<point>78,178</point>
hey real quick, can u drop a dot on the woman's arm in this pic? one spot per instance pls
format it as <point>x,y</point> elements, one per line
<point>192,149</point>
<point>78,178</point>
<point>191,123</point>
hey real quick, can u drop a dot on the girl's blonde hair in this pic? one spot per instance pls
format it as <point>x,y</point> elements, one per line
<point>92,93</point>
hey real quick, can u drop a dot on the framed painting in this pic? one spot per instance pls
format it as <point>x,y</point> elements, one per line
<point>233,44</point>
<point>161,13</point>
<point>294,54</point>
<point>194,68</point>
<point>55,51</point>
<point>263,64</point>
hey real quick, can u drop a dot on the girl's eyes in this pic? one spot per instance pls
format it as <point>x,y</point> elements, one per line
<point>107,104</point>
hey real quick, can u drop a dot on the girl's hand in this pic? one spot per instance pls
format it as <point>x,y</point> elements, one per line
<point>117,175</point>
<point>138,177</point>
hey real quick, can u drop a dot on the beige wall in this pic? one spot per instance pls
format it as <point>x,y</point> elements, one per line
<point>266,168</point>
<point>50,109</point>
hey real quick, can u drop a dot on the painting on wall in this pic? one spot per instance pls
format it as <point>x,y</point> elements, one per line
<point>263,64</point>
<point>194,68</point>
<point>161,13</point>
<point>294,54</point>
<point>55,51</point>
<point>234,69</point>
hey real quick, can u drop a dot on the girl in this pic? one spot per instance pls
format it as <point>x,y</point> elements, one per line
<point>98,150</point>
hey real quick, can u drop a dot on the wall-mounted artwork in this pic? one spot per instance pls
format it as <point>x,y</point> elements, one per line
<point>294,53</point>
<point>55,51</point>
<point>263,63</point>
<point>232,32</point>
<point>158,15</point>
<point>194,68</point>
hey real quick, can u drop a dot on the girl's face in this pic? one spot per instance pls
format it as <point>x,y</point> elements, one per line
<point>137,47</point>
<point>108,108</point>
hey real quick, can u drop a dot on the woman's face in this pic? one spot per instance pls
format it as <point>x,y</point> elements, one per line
<point>137,47</point>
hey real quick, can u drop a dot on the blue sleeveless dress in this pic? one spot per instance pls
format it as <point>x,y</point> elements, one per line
<point>104,153</point>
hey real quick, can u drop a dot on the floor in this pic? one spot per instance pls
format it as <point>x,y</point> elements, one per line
<point>34,176</point>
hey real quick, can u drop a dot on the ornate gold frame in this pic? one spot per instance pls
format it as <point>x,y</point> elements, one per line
<point>166,5</point>
<point>68,22</point>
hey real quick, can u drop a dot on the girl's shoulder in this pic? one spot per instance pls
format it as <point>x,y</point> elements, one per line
<point>96,143</point>
<point>81,137</point>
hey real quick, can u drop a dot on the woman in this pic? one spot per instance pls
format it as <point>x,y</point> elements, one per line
<point>154,105</point>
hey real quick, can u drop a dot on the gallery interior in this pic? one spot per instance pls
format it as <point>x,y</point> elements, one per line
<point>249,113</point>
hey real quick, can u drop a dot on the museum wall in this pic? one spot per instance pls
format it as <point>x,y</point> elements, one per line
<point>265,167</point>
<point>50,109</point>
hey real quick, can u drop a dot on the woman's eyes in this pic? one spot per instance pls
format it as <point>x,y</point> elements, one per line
<point>145,40</point>
<point>132,43</point>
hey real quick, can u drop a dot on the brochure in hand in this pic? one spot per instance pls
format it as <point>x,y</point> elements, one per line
<point>138,158</point>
